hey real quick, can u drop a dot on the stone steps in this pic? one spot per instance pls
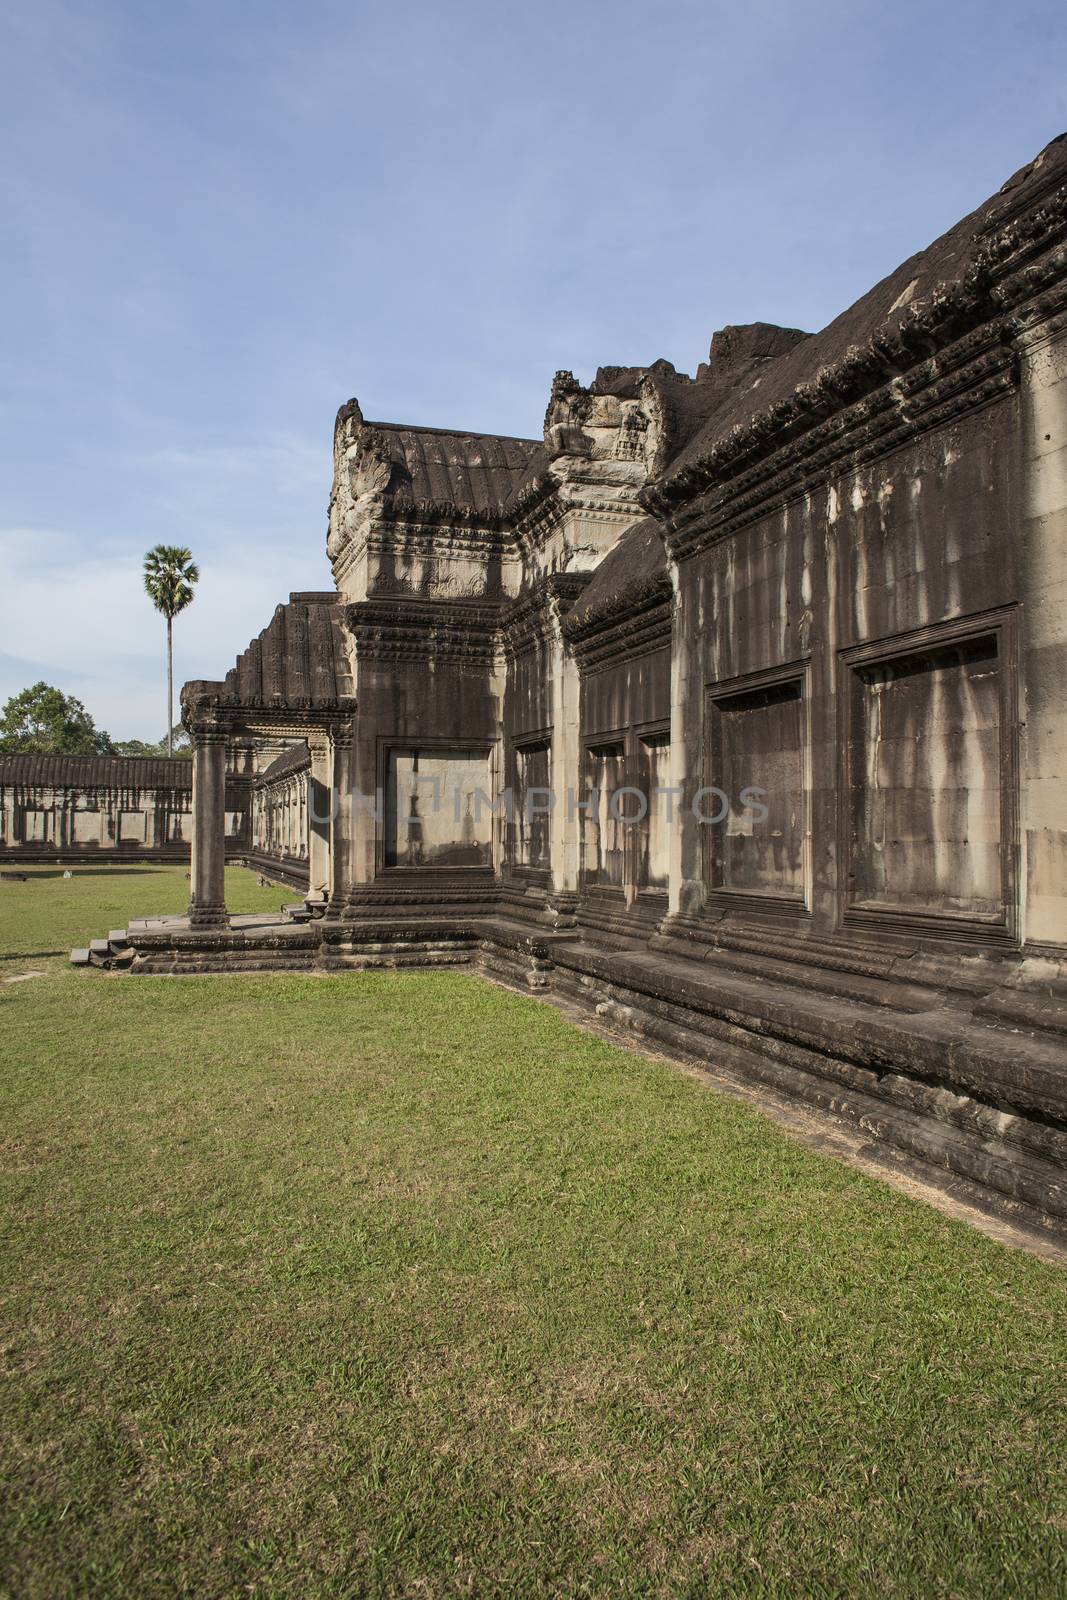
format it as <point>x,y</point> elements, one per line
<point>113,952</point>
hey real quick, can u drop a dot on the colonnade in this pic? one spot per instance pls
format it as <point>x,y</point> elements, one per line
<point>329,822</point>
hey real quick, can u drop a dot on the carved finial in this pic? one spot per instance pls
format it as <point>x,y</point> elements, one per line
<point>349,414</point>
<point>568,406</point>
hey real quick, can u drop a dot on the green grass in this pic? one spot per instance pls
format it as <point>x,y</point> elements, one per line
<point>50,914</point>
<point>402,1285</point>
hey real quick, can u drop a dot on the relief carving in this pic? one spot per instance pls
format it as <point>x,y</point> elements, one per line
<point>431,579</point>
<point>362,470</point>
<point>602,427</point>
<point>369,468</point>
<point>568,407</point>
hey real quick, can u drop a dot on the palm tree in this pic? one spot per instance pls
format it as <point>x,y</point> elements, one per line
<point>169,575</point>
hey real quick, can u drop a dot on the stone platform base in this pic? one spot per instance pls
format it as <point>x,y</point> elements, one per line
<point>955,1075</point>
<point>287,873</point>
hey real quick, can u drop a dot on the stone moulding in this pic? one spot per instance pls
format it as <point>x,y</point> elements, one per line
<point>290,872</point>
<point>537,515</point>
<point>532,499</point>
<point>462,633</point>
<point>431,515</point>
<point>987,304</point>
<point>443,540</point>
<point>537,518</point>
<point>936,1104</point>
<point>207,709</point>
<point>637,624</point>
<point>534,616</point>
<point>868,431</point>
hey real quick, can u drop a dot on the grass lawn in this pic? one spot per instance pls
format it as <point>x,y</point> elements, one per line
<point>398,1284</point>
<point>50,914</point>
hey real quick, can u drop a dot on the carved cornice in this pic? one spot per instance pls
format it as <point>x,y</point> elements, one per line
<point>439,539</point>
<point>630,624</point>
<point>1031,198</point>
<point>858,434</point>
<point>538,612</point>
<point>437,526</point>
<point>536,515</point>
<point>430,515</point>
<point>949,353</point>
<point>208,709</point>
<point>531,498</point>
<point>346,557</point>
<point>547,503</point>
<point>462,633</point>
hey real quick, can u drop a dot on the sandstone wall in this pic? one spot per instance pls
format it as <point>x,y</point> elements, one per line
<point>94,807</point>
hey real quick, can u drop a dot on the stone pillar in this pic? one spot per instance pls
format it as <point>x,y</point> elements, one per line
<point>319,821</point>
<point>1043,635</point>
<point>565,769</point>
<point>678,772</point>
<point>342,817</point>
<point>207,907</point>
<point>152,813</point>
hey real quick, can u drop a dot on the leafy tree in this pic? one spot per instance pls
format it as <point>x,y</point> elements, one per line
<point>181,745</point>
<point>135,747</point>
<point>44,719</point>
<point>170,574</point>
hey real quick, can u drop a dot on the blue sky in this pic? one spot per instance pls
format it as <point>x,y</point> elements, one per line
<point>222,220</point>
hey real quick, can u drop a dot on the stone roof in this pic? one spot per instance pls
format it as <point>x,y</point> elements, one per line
<point>895,324</point>
<point>756,374</point>
<point>636,566</point>
<point>291,760</point>
<point>447,466</point>
<point>95,772</point>
<point>299,658</point>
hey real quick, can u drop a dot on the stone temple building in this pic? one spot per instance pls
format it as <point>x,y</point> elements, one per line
<point>732,707</point>
<point>105,809</point>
